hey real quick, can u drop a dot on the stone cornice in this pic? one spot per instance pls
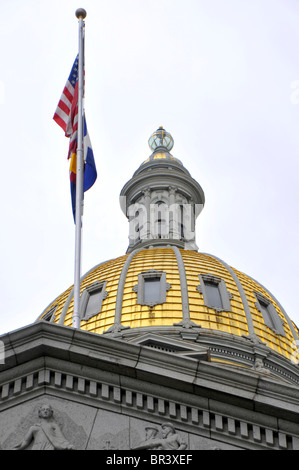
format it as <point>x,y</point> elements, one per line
<point>161,177</point>
<point>143,363</point>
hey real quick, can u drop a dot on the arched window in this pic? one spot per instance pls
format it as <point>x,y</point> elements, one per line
<point>161,217</point>
<point>181,220</point>
<point>137,227</point>
<point>137,218</point>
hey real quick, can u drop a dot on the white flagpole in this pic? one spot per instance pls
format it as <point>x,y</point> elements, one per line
<point>80,14</point>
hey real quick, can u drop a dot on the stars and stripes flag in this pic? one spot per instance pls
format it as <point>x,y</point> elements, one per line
<point>66,116</point>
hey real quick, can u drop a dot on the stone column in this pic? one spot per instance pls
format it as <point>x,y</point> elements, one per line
<point>173,216</point>
<point>147,201</point>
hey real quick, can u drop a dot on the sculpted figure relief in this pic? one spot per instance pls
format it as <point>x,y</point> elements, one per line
<point>45,435</point>
<point>170,439</point>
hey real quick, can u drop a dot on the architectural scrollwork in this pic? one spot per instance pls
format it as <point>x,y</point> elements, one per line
<point>259,366</point>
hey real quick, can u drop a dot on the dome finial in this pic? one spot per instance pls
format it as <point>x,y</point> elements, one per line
<point>161,138</point>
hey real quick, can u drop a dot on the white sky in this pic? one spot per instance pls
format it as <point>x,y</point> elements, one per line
<point>221,76</point>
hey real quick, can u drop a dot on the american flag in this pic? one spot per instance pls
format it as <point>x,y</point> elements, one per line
<point>66,114</point>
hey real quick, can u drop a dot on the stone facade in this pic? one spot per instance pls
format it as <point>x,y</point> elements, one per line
<point>68,389</point>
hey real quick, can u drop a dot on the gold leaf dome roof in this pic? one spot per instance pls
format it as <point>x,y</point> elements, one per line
<point>186,272</point>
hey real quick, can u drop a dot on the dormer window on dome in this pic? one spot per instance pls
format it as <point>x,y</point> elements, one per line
<point>152,288</point>
<point>91,300</point>
<point>50,315</point>
<point>214,292</point>
<point>269,314</point>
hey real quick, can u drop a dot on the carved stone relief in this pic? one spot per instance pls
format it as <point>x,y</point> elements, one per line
<point>259,366</point>
<point>164,438</point>
<point>45,434</point>
<point>44,426</point>
<point>112,431</point>
<point>67,425</point>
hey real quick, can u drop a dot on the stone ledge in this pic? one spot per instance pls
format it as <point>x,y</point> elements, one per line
<point>83,352</point>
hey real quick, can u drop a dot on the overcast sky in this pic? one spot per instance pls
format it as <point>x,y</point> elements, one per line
<point>222,76</point>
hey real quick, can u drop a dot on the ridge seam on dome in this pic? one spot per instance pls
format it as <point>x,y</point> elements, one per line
<point>120,289</point>
<point>251,331</point>
<point>65,307</point>
<point>184,288</point>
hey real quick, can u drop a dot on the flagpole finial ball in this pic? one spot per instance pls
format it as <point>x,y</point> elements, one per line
<point>81,13</point>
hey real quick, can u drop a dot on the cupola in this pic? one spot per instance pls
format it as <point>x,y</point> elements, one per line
<point>162,200</point>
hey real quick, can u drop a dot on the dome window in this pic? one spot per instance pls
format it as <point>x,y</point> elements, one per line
<point>215,293</point>
<point>91,300</point>
<point>151,288</point>
<point>50,315</point>
<point>161,217</point>
<point>269,314</point>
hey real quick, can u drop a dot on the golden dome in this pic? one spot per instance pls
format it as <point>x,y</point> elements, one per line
<point>184,303</point>
<point>165,294</point>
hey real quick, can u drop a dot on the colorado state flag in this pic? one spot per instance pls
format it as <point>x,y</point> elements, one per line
<point>90,172</point>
